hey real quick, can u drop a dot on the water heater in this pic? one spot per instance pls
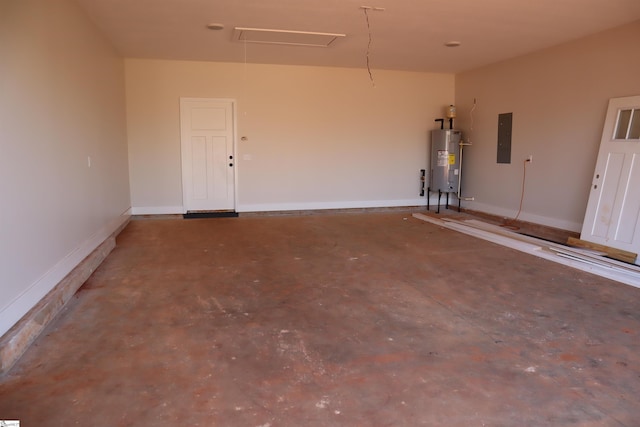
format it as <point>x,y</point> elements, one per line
<point>444,175</point>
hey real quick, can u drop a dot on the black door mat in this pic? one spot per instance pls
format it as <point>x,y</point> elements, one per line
<point>197,215</point>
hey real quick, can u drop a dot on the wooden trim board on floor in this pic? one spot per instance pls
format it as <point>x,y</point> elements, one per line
<point>614,253</point>
<point>17,340</point>
<point>584,260</point>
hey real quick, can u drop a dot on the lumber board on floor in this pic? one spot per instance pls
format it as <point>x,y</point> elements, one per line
<point>614,253</point>
<point>580,259</point>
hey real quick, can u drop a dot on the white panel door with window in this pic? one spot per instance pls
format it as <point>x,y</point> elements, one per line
<point>207,146</point>
<point>613,211</point>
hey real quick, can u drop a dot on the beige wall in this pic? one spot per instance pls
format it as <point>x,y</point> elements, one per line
<point>317,137</point>
<point>558,98</point>
<point>61,101</point>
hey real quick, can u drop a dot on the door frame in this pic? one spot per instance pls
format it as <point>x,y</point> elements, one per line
<point>234,129</point>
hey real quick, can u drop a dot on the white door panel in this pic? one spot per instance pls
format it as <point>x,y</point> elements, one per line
<point>199,167</point>
<point>613,211</point>
<point>212,118</point>
<point>207,141</point>
<point>630,209</point>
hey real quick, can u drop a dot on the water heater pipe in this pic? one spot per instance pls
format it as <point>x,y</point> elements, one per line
<point>458,194</point>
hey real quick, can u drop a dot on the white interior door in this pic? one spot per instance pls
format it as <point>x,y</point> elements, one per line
<point>207,144</point>
<point>613,211</point>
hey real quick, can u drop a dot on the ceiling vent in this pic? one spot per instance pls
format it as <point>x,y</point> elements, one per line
<point>285,37</point>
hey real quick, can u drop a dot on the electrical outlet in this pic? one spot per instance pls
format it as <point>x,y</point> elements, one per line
<point>530,158</point>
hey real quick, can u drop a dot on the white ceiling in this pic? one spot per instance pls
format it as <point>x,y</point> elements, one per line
<point>408,35</point>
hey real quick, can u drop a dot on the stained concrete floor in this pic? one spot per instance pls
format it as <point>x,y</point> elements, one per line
<point>331,320</point>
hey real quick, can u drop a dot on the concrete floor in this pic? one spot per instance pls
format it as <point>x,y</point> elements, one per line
<point>331,320</point>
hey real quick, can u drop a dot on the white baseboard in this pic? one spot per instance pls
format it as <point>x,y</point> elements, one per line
<point>422,201</point>
<point>524,216</point>
<point>16,309</point>
<point>157,210</point>
<point>306,206</point>
<point>271,207</point>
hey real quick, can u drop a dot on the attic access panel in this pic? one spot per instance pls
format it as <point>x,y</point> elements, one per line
<point>285,37</point>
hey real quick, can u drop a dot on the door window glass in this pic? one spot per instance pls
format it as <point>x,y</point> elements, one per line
<point>634,131</point>
<point>623,124</point>
<point>628,126</point>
